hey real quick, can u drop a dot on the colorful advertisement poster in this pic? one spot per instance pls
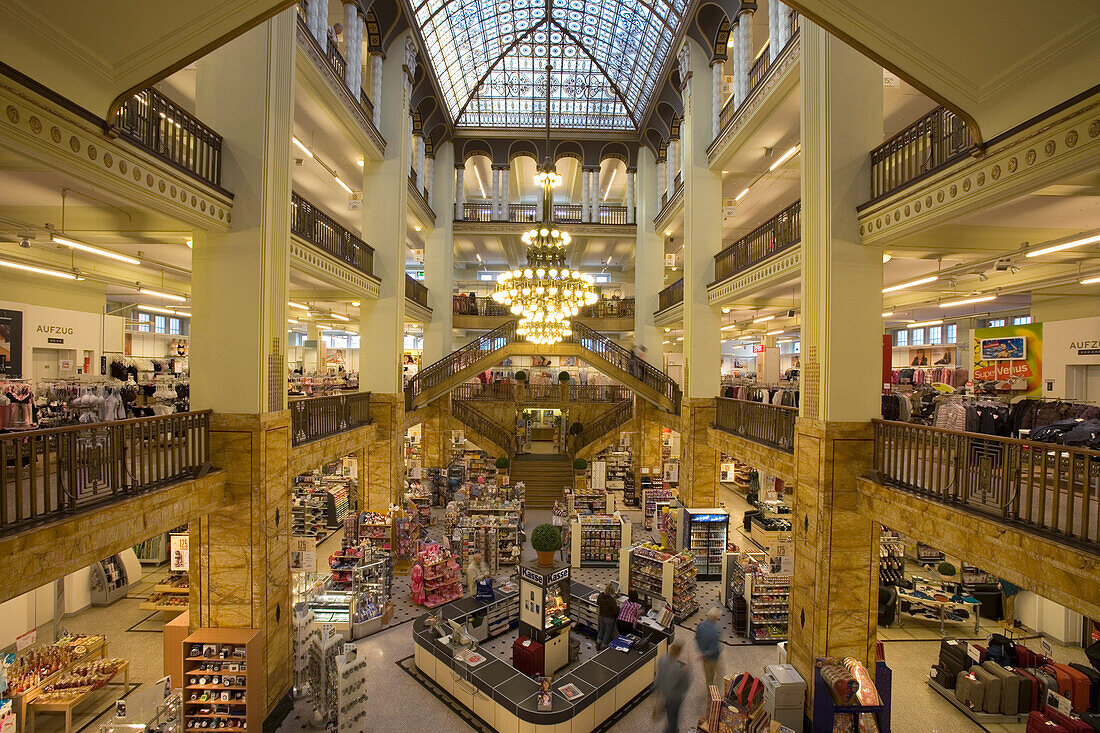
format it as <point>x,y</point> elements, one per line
<point>11,343</point>
<point>995,365</point>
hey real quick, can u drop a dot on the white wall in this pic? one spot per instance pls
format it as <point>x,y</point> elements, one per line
<point>1059,354</point>
<point>79,331</point>
<point>1048,618</point>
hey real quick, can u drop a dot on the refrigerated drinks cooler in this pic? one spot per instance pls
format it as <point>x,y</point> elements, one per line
<point>705,532</point>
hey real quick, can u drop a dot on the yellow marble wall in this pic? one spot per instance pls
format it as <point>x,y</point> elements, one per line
<point>698,458</point>
<point>240,569</point>
<point>382,479</point>
<point>432,436</point>
<point>761,457</point>
<point>648,451</point>
<point>834,590</point>
<point>314,454</point>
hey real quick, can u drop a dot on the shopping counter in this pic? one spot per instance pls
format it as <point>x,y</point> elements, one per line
<point>507,699</point>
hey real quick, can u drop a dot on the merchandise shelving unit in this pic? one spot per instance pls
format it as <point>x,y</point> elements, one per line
<point>173,595</point>
<point>650,499</point>
<point>544,612</point>
<point>153,551</point>
<point>307,513</point>
<point>588,500</point>
<point>442,576</point>
<point>376,530</point>
<point>109,581</point>
<point>670,577</point>
<point>233,653</point>
<point>351,702</point>
<point>891,559</point>
<point>307,636</point>
<point>596,539</point>
<point>768,595</point>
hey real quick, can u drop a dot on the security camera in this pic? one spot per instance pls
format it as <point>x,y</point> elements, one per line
<point>25,243</point>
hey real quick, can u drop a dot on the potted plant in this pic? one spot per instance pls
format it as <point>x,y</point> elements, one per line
<point>521,376</point>
<point>579,476</point>
<point>546,540</point>
<point>947,571</point>
<point>501,464</point>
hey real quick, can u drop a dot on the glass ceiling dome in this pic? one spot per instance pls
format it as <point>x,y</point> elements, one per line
<point>490,59</point>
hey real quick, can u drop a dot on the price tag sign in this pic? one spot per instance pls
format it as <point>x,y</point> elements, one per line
<point>25,640</point>
<point>349,651</point>
<point>973,653</point>
<point>1061,704</point>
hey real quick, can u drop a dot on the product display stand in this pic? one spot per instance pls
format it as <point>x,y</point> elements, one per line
<point>306,638</point>
<point>153,551</point>
<point>351,702</point>
<point>650,499</point>
<point>172,596</point>
<point>223,679</point>
<point>442,575</point>
<point>596,539</point>
<point>109,581</point>
<point>656,574</point>
<point>891,559</point>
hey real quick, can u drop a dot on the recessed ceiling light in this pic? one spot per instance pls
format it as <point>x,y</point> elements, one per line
<point>355,304</point>
<point>668,232</point>
<point>773,333</point>
<point>911,283</point>
<point>416,228</point>
<point>886,257</point>
<point>339,316</point>
<point>725,310</point>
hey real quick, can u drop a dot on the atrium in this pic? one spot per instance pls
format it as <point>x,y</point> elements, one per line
<point>373,365</point>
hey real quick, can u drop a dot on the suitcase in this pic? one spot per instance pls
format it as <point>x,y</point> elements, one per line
<point>1072,725</point>
<point>970,691</point>
<point>1029,691</point>
<point>1010,687</point>
<point>942,677</point>
<point>1092,719</point>
<point>991,701</point>
<point>1079,687</point>
<point>1066,682</point>
<point>528,657</point>
<point>1039,723</point>
<point>1049,684</point>
<point>1094,684</point>
<point>953,657</point>
<point>1029,659</point>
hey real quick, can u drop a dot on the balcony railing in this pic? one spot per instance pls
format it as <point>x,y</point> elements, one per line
<point>760,68</point>
<point>535,393</point>
<point>465,413</point>
<point>604,308</point>
<point>416,291</point>
<point>613,418</point>
<point>366,104</point>
<point>314,418</point>
<point>567,213</point>
<point>160,126</point>
<point>1048,489</point>
<point>613,214</point>
<point>523,212</point>
<point>782,231</point>
<point>321,230</point>
<point>336,60</point>
<point>770,425</point>
<point>671,295</point>
<point>529,213</point>
<point>46,475</point>
<point>932,142</point>
<point>609,308</point>
<point>758,72</point>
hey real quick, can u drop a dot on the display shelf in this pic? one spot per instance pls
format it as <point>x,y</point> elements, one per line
<point>173,595</point>
<point>891,560</point>
<point>153,551</point>
<point>650,499</point>
<point>596,540</point>
<point>224,654</point>
<point>351,702</point>
<point>109,581</point>
<point>442,575</point>
<point>670,577</point>
<point>766,591</point>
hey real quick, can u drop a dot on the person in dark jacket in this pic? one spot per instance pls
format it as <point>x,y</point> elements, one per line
<point>608,613</point>
<point>673,681</point>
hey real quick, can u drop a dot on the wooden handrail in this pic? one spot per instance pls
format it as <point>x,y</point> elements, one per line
<point>770,425</point>
<point>626,361</point>
<point>670,295</point>
<point>613,418</point>
<point>453,363</point>
<point>782,231</point>
<point>535,393</point>
<point>314,418</point>
<point>1048,489</point>
<point>46,475</point>
<point>466,414</point>
<point>416,291</point>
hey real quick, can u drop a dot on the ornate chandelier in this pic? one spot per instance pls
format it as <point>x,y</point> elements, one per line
<point>546,293</point>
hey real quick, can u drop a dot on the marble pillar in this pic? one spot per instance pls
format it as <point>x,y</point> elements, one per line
<point>662,180</point>
<point>716,69</point>
<point>505,195</point>
<point>439,260</point>
<point>631,206</point>
<point>376,87</point>
<point>586,181</point>
<point>735,34</point>
<point>460,191</point>
<point>495,215</point>
<point>834,597</point>
<point>385,463</point>
<point>429,177</point>
<point>699,461</point>
<point>744,50</point>
<point>594,203</point>
<point>353,48</point>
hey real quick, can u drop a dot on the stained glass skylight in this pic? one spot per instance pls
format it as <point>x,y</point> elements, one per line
<point>490,59</point>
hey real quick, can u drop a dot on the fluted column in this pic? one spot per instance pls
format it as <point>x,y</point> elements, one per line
<point>376,87</point>
<point>716,69</point>
<point>735,50</point>
<point>630,205</point>
<point>505,195</point>
<point>460,191</point>
<point>596,188</point>
<point>783,29</point>
<point>421,163</point>
<point>495,215</point>
<point>662,180</point>
<point>585,202</point>
<point>353,50</point>
<point>439,250</point>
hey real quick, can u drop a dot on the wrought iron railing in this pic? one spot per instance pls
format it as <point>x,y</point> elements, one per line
<point>314,418</point>
<point>567,213</point>
<point>609,308</point>
<point>758,72</point>
<point>465,413</point>
<point>454,363</point>
<point>626,361</point>
<point>529,212</point>
<point>760,68</point>
<point>163,128</point>
<point>320,229</point>
<point>770,425</point>
<point>932,142</point>
<point>603,308</point>
<point>1048,489</point>
<point>419,194</point>
<point>613,418</point>
<point>46,475</point>
<point>335,60</point>
<point>535,393</point>
<point>366,104</point>
<point>773,236</point>
<point>671,295</point>
<point>477,211</point>
<point>416,291</point>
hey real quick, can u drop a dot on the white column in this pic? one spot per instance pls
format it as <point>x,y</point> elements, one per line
<point>410,162</point>
<point>702,230</point>
<point>382,323</point>
<point>421,164</point>
<point>317,20</point>
<point>649,258</point>
<point>429,173</point>
<point>716,69</point>
<point>541,208</point>
<point>662,180</point>
<point>630,204</point>
<point>746,50</point>
<point>353,49</point>
<point>735,56</point>
<point>439,258</point>
<point>585,202</point>
<point>783,25</point>
<point>494,196</point>
<point>376,87</point>
<point>460,192</point>
<point>505,195</point>
<point>596,189</point>
<point>672,165</point>
<point>774,43</point>
<point>245,273</point>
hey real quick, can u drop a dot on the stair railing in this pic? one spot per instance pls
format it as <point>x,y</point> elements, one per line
<point>623,359</point>
<point>477,421</point>
<point>607,422</point>
<point>452,364</point>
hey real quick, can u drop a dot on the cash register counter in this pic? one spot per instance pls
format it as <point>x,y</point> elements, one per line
<point>506,699</point>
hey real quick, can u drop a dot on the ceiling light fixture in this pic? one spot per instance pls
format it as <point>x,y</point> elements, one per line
<point>728,327</point>
<point>417,227</point>
<point>773,333</point>
<point>912,283</point>
<point>189,244</point>
<point>785,157</point>
<point>359,162</point>
<point>292,320</point>
<point>761,319</point>
<point>342,184</point>
<point>664,342</point>
<point>155,309</point>
<point>355,304</point>
<point>1078,242</point>
<point>302,146</point>
<point>91,249</point>
<point>159,294</point>
<point>726,310</point>
<point>1090,281</point>
<point>924,323</point>
<point>299,306</point>
<point>668,232</point>
<point>968,301</point>
<point>741,195</point>
<point>785,341</point>
<point>340,317</point>
<point>886,257</point>
<point>667,330</point>
<point>887,314</point>
<point>38,270</point>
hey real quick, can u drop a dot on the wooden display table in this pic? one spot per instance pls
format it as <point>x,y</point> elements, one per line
<point>23,699</point>
<point>67,706</point>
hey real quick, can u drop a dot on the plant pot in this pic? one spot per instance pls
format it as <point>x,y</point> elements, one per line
<point>546,558</point>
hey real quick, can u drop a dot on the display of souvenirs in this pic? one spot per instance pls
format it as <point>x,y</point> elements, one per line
<point>440,575</point>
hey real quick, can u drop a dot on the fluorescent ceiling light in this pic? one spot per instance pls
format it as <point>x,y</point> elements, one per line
<point>1088,239</point>
<point>784,341</point>
<point>887,314</point>
<point>155,309</point>
<point>773,333</point>
<point>968,301</point>
<point>355,304</point>
<point>359,162</point>
<point>1090,281</point>
<point>304,149</point>
<point>740,196</point>
<point>91,249</point>
<point>761,319</point>
<point>342,184</point>
<point>726,328</point>
<point>609,182</point>
<point>38,270</point>
<point>664,342</point>
<point>911,283</point>
<point>924,323</point>
<point>291,320</point>
<point>339,316</point>
<point>183,314</point>
<point>159,294</point>
<point>784,158</point>
<point>299,306</point>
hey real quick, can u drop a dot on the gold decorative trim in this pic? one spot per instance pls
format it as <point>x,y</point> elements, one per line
<point>519,227</point>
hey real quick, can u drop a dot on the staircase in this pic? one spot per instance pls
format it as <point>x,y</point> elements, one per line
<point>485,429</point>
<point>544,477</point>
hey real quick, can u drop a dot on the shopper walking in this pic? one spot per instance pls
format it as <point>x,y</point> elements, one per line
<point>475,571</point>
<point>609,612</point>
<point>710,650</point>
<point>673,681</point>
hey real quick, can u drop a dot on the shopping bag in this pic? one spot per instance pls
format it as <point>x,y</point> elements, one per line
<point>484,590</point>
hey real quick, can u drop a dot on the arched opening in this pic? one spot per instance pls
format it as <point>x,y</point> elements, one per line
<point>477,187</point>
